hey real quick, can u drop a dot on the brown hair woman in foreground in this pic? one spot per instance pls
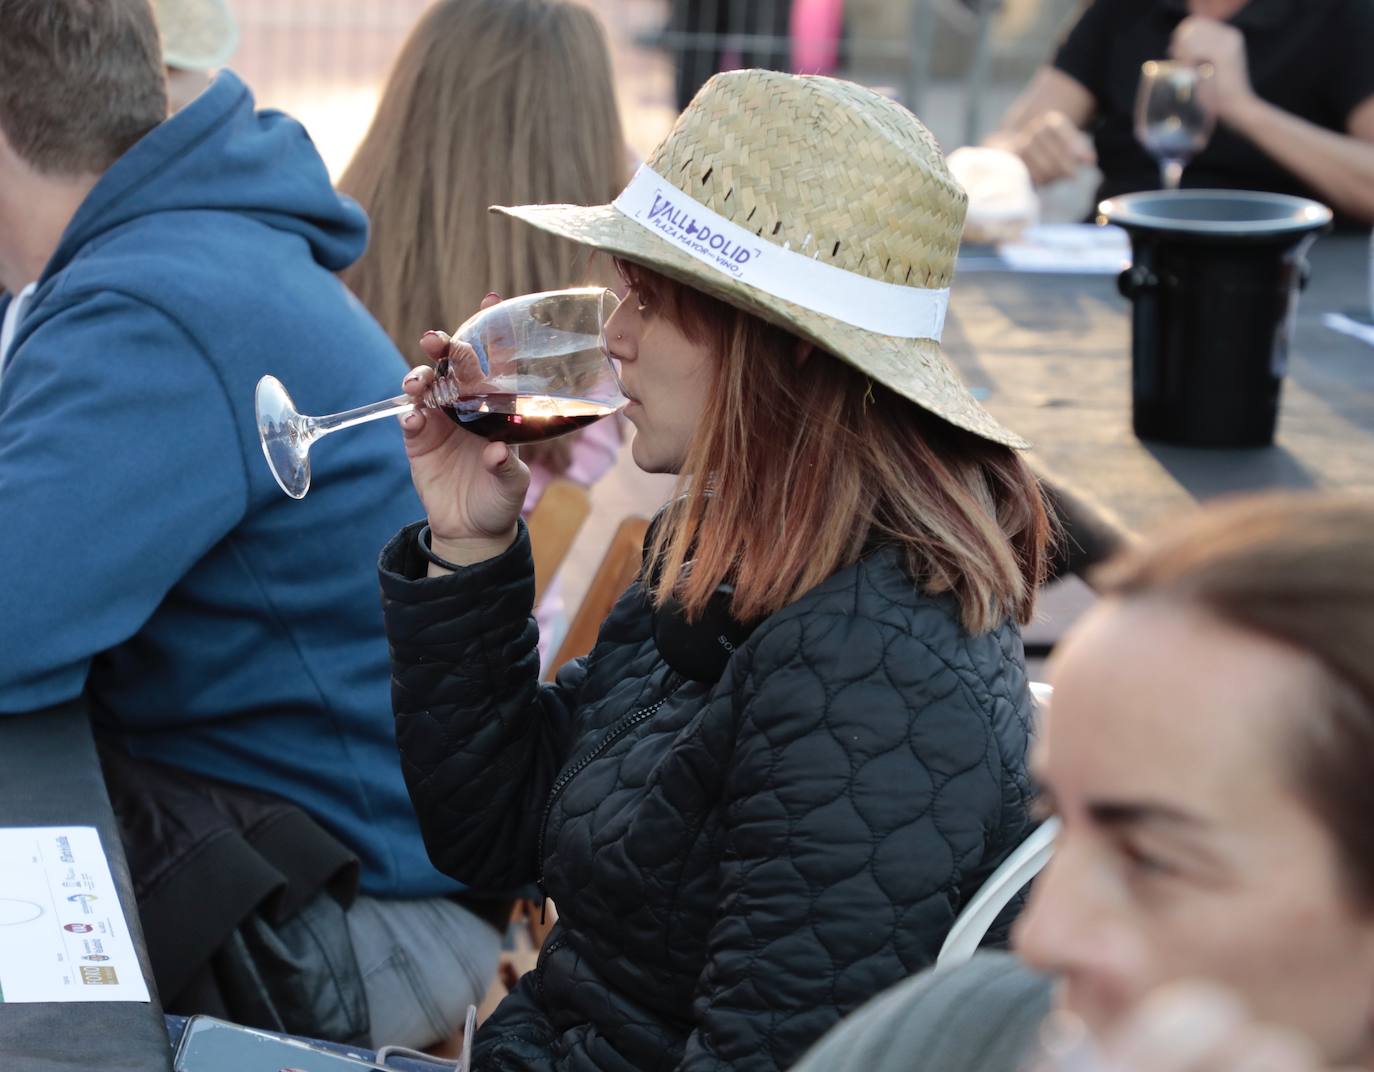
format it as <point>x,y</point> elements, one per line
<point>799,744</point>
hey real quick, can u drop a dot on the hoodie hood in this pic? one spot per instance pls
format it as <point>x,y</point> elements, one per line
<point>219,153</point>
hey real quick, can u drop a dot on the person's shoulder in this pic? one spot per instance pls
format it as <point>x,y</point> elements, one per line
<point>981,1016</point>
<point>867,612</point>
<point>878,589</point>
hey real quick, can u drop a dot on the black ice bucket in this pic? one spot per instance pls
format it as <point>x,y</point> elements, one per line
<point>1214,286</point>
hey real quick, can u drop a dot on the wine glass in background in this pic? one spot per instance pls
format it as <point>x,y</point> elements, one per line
<point>538,368</point>
<point>1175,114</point>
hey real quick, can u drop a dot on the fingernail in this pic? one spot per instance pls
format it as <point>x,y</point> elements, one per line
<point>428,334</point>
<point>492,294</point>
<point>412,378</point>
<point>410,420</point>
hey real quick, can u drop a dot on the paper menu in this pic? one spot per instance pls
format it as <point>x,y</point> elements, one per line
<point>1072,248</point>
<point>63,935</point>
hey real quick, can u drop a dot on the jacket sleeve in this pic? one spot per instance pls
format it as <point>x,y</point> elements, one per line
<point>120,467</point>
<point>480,738</point>
<point>864,784</point>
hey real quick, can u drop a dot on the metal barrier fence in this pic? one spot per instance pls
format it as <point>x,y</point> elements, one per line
<point>903,46</point>
<point>324,60</point>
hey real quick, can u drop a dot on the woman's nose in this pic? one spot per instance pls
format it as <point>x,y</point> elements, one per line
<point>1079,925</point>
<point>619,340</point>
<point>1068,916</point>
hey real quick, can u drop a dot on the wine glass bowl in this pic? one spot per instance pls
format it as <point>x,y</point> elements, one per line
<point>533,367</point>
<point>1175,114</point>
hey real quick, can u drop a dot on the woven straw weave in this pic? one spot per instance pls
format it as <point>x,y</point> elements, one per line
<point>824,168</point>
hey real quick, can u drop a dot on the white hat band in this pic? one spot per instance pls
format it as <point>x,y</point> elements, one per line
<point>884,308</point>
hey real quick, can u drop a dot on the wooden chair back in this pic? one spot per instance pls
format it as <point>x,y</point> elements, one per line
<point>554,523</point>
<point>617,569</point>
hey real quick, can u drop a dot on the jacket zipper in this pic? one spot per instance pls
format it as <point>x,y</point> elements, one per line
<point>616,732</point>
<point>544,954</point>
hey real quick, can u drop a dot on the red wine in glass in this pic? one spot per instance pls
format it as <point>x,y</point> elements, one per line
<point>517,419</point>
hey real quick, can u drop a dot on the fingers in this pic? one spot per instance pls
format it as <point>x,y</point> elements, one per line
<point>1080,146</point>
<point>1198,1027</point>
<point>1177,1027</point>
<point>1055,149</point>
<point>500,459</point>
<point>434,344</point>
<point>463,369</point>
<point>417,381</point>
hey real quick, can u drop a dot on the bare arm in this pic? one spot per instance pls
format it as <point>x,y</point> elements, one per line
<point>1045,126</point>
<point>1340,167</point>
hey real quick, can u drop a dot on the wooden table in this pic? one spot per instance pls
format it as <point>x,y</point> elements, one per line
<point>1053,354</point>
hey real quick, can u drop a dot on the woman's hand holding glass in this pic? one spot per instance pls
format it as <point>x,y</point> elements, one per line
<point>472,488</point>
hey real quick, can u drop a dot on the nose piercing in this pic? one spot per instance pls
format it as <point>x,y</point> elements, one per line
<point>619,335</point>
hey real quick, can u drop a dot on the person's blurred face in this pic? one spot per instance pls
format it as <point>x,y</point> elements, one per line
<point>1186,850</point>
<point>667,377</point>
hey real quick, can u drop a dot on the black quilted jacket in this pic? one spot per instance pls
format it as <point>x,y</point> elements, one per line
<point>736,866</point>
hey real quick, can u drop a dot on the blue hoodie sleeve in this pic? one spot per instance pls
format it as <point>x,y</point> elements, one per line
<point>120,467</point>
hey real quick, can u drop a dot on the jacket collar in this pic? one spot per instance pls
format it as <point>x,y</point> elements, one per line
<point>1256,15</point>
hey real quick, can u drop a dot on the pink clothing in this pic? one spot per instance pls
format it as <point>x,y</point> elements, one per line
<point>816,26</point>
<point>594,451</point>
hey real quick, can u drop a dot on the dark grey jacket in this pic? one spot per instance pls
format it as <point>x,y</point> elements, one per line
<point>983,1016</point>
<point>737,865</point>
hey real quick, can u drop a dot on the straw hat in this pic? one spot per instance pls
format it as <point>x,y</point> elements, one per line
<point>196,34</point>
<point>774,190</point>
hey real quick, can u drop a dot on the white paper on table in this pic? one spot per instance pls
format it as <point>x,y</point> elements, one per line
<point>1347,325</point>
<point>1082,248</point>
<point>63,935</point>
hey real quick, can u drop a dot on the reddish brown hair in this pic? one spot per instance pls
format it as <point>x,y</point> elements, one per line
<point>80,81</point>
<point>823,464</point>
<point>1299,569</point>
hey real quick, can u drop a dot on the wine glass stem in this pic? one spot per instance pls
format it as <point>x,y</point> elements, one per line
<point>1171,173</point>
<point>332,422</point>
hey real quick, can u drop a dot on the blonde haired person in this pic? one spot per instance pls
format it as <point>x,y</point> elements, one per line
<point>510,100</point>
<point>799,743</point>
<point>198,36</point>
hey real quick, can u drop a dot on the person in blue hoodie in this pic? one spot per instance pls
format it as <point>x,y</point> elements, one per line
<point>158,267</point>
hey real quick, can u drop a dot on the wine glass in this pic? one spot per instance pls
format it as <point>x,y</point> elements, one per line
<point>538,368</point>
<point>1175,114</point>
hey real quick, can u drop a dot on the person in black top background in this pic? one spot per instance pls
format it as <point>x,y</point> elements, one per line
<point>1294,82</point>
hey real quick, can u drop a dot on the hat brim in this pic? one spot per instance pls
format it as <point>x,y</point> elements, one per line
<point>913,368</point>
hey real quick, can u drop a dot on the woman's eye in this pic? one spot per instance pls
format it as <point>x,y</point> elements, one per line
<point>1147,864</point>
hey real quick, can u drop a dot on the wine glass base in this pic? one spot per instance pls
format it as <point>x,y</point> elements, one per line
<point>284,436</point>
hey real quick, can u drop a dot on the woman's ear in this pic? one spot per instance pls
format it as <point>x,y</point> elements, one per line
<point>803,352</point>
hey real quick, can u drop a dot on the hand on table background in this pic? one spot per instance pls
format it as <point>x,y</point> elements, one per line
<point>1199,40</point>
<point>1051,147</point>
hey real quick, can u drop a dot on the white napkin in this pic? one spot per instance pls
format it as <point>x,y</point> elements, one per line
<point>1350,326</point>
